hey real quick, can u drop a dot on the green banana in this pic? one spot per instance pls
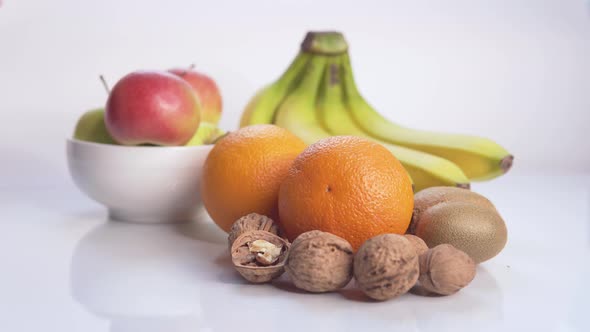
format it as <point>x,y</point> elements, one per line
<point>297,112</point>
<point>431,158</point>
<point>425,169</point>
<point>262,107</point>
<point>479,158</point>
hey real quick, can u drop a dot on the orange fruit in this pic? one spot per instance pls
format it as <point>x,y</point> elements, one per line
<point>244,170</point>
<point>348,186</point>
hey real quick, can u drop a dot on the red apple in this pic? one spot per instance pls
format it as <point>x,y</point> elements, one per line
<point>207,91</point>
<point>152,107</point>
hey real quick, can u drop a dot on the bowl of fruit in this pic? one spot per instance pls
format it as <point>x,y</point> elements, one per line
<point>142,155</point>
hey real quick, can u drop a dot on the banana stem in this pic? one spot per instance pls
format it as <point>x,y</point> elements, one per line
<point>334,72</point>
<point>324,42</point>
<point>332,93</point>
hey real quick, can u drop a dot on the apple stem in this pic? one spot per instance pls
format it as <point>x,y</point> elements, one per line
<point>105,84</point>
<point>191,67</point>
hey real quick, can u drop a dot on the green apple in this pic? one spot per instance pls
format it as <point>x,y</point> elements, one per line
<point>207,133</point>
<point>91,127</point>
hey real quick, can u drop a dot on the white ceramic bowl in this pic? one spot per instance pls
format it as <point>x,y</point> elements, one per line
<point>140,183</point>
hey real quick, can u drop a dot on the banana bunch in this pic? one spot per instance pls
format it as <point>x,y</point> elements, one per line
<point>317,97</point>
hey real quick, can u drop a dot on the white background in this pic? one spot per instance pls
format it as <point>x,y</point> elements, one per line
<point>516,71</point>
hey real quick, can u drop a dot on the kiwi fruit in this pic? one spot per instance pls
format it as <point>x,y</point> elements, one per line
<point>459,217</point>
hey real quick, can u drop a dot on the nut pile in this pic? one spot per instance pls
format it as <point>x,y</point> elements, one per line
<point>384,267</point>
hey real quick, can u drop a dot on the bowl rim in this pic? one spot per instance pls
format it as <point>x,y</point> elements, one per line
<point>135,147</point>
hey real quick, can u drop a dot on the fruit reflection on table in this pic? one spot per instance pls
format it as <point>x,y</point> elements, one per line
<point>160,278</point>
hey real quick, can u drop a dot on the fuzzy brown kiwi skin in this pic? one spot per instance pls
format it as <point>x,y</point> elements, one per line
<point>429,197</point>
<point>477,230</point>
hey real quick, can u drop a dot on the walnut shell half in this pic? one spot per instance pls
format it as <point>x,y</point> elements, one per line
<point>251,222</point>
<point>246,263</point>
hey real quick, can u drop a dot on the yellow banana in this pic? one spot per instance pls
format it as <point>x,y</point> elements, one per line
<point>479,158</point>
<point>261,108</point>
<point>425,169</point>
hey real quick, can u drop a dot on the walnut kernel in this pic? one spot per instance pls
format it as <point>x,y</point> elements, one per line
<point>266,253</point>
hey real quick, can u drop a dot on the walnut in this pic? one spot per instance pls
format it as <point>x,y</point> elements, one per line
<point>445,270</point>
<point>320,262</point>
<point>251,222</point>
<point>386,266</point>
<point>259,256</point>
<point>418,244</point>
<point>307,235</point>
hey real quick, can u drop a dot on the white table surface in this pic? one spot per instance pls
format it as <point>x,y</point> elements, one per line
<point>66,268</point>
